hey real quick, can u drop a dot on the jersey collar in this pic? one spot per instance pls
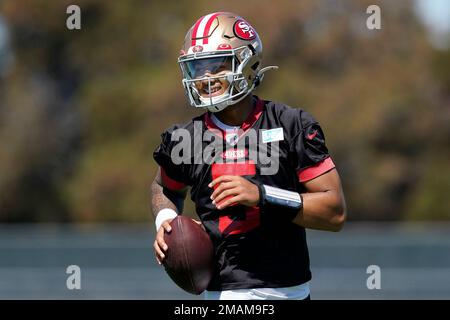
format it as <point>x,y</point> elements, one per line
<point>248,123</point>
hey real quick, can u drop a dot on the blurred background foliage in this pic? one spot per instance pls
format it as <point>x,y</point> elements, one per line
<point>82,111</point>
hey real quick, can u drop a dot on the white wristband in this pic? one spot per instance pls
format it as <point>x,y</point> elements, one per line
<point>282,197</point>
<point>163,215</point>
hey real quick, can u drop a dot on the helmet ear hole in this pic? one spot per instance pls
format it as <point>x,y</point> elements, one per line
<point>243,85</point>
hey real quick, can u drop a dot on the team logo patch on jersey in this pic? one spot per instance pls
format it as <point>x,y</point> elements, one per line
<point>243,30</point>
<point>272,135</point>
<point>234,154</point>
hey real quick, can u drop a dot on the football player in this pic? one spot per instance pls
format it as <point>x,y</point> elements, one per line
<point>255,217</point>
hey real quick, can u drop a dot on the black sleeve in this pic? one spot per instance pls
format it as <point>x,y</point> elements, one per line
<point>309,143</point>
<point>162,155</point>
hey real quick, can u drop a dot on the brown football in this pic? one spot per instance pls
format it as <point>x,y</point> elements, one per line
<point>189,260</point>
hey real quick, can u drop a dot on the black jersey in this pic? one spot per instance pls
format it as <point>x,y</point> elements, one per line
<point>254,247</point>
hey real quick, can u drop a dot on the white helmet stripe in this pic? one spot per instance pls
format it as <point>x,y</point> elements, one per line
<point>199,31</point>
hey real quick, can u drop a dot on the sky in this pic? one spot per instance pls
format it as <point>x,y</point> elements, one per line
<point>436,16</point>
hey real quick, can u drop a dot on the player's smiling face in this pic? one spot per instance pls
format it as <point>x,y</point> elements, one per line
<point>217,87</point>
<point>213,73</point>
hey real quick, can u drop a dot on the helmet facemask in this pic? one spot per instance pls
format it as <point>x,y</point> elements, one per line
<point>203,70</point>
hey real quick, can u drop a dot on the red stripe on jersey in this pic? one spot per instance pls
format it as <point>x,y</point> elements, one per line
<point>316,170</point>
<point>247,168</point>
<point>233,169</point>
<point>169,183</point>
<point>229,226</point>
<point>194,32</point>
<point>208,26</point>
<point>254,115</point>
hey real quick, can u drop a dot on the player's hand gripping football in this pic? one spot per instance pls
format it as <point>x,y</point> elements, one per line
<point>231,190</point>
<point>160,245</point>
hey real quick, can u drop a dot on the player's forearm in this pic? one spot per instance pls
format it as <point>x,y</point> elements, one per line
<point>162,198</point>
<point>322,210</point>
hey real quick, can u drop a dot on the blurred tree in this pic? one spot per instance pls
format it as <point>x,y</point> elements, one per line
<point>81,111</point>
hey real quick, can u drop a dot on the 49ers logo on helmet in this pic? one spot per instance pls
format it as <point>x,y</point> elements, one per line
<point>224,46</point>
<point>197,48</point>
<point>243,30</point>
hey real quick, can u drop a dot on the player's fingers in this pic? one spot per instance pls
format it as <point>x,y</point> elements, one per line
<point>226,193</point>
<point>226,203</point>
<point>160,240</point>
<point>223,186</point>
<point>166,225</point>
<point>158,251</point>
<point>218,190</point>
<point>221,179</point>
<point>157,258</point>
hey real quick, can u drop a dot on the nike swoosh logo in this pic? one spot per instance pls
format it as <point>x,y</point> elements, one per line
<point>312,135</point>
